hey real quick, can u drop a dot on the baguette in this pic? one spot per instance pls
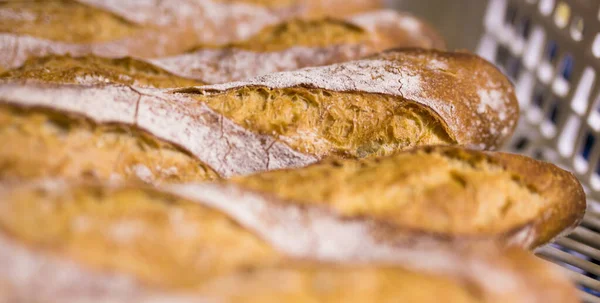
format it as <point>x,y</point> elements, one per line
<point>96,70</point>
<point>226,21</point>
<point>52,143</point>
<point>287,46</point>
<point>422,97</point>
<point>145,29</point>
<point>310,116</point>
<point>444,194</point>
<point>38,28</point>
<point>302,123</point>
<point>132,244</point>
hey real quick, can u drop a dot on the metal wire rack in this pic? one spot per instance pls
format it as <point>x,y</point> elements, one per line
<point>551,50</point>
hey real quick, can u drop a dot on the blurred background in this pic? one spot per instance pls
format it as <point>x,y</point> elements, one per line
<point>442,15</point>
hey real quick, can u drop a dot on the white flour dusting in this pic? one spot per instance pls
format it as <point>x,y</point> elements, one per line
<point>124,232</point>
<point>224,65</point>
<point>143,172</point>
<point>16,15</point>
<point>493,99</point>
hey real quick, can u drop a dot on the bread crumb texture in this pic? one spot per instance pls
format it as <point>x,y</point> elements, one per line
<point>92,70</point>
<point>454,193</point>
<point>322,122</point>
<point>43,143</point>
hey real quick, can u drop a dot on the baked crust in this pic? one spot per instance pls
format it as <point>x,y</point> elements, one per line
<point>221,145</point>
<point>289,45</point>
<point>38,28</point>
<point>149,29</point>
<point>478,109</point>
<point>473,100</point>
<point>133,244</point>
<point>555,184</point>
<point>430,194</point>
<point>96,70</point>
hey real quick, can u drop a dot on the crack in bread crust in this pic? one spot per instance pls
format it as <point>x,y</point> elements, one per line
<point>224,146</point>
<point>325,123</point>
<point>473,99</point>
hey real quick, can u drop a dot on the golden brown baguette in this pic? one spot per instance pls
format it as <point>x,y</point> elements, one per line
<point>91,69</point>
<point>37,28</point>
<point>302,43</point>
<point>442,97</point>
<point>289,45</point>
<point>357,109</point>
<point>148,28</point>
<point>131,244</point>
<point>439,194</point>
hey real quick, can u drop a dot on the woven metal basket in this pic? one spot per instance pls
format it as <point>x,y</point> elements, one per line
<point>551,51</point>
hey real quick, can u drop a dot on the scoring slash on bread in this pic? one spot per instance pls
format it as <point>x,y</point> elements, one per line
<point>376,106</point>
<point>135,244</point>
<point>290,45</point>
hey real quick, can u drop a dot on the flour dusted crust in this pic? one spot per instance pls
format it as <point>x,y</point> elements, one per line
<point>165,28</point>
<point>486,273</point>
<point>213,19</point>
<point>58,280</point>
<point>475,101</point>
<point>225,147</point>
<point>214,22</point>
<point>555,205</point>
<point>146,41</point>
<point>477,114</point>
<point>232,64</point>
<point>169,27</point>
<point>20,47</point>
<point>385,29</point>
<point>480,112</point>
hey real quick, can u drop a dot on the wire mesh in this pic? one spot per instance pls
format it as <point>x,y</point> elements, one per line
<point>551,50</point>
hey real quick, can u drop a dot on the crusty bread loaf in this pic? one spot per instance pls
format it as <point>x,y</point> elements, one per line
<point>130,244</point>
<point>52,143</point>
<point>127,133</point>
<point>96,70</point>
<point>357,109</point>
<point>225,21</point>
<point>301,43</point>
<point>37,28</point>
<point>289,45</point>
<point>378,30</point>
<point>421,96</point>
<point>155,28</point>
<point>435,193</point>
